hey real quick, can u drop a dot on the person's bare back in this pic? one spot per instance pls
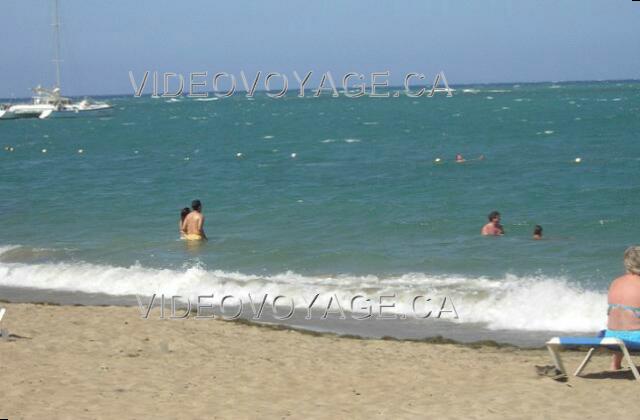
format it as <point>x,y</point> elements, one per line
<point>193,225</point>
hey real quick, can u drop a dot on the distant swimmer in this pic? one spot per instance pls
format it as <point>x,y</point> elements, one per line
<point>192,226</point>
<point>537,232</point>
<point>183,214</point>
<point>493,228</point>
<point>461,159</point>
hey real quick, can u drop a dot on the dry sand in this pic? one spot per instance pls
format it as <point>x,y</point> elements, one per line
<point>106,362</point>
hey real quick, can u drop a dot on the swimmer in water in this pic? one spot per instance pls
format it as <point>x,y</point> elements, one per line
<point>193,223</point>
<point>460,158</point>
<point>537,232</point>
<point>183,213</point>
<point>493,228</point>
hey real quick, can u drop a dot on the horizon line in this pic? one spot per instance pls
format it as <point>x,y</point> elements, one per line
<point>452,85</point>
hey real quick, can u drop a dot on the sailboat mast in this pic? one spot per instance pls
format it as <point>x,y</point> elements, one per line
<point>56,41</point>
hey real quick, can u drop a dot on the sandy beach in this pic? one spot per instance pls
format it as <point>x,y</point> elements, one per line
<point>102,362</point>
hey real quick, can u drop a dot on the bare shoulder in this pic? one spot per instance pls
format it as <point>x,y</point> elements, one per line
<point>618,282</point>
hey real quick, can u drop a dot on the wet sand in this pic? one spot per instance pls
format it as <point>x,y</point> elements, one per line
<point>103,362</point>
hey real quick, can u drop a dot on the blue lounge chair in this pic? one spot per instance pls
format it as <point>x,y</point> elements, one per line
<point>610,343</point>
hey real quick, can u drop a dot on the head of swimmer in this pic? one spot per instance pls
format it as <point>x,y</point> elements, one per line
<point>196,205</point>
<point>184,212</point>
<point>494,217</point>
<point>537,232</point>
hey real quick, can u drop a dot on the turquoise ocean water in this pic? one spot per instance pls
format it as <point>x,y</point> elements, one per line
<point>361,208</point>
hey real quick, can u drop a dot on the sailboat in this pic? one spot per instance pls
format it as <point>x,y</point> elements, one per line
<point>48,103</point>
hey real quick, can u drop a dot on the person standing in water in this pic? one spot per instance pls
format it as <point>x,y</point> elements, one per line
<point>537,232</point>
<point>183,214</point>
<point>493,228</point>
<point>193,223</point>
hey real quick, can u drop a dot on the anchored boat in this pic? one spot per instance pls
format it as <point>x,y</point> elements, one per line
<point>48,103</point>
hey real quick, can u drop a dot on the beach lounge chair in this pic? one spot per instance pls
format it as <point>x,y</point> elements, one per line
<point>611,343</point>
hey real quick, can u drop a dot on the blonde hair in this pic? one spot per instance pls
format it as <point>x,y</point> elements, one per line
<point>632,259</point>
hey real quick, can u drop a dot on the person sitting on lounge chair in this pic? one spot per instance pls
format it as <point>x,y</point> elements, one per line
<point>624,304</point>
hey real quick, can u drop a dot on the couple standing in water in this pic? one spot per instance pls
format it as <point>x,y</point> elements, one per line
<point>494,228</point>
<point>192,222</point>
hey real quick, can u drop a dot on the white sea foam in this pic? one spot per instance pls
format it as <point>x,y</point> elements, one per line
<point>352,140</point>
<point>7,248</point>
<point>511,302</point>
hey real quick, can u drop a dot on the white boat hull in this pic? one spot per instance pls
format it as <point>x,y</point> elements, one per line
<point>49,111</point>
<point>97,111</point>
<point>27,111</point>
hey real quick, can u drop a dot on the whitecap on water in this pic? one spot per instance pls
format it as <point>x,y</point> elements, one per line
<point>352,140</point>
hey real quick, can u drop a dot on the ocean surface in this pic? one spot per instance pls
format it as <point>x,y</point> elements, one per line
<point>362,208</point>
